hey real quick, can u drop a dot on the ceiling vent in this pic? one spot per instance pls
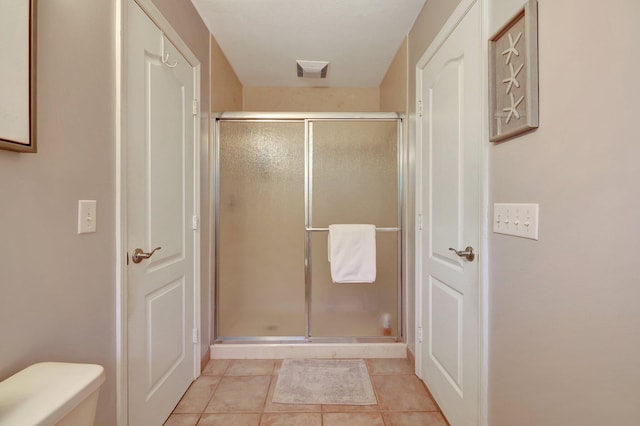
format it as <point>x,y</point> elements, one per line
<point>312,69</point>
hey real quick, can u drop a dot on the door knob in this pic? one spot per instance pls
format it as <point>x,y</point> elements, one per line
<point>138,255</point>
<point>467,253</point>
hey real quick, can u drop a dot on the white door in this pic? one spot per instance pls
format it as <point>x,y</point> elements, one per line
<point>160,142</point>
<point>449,138</point>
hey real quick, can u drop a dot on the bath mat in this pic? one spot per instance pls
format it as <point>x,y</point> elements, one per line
<point>324,381</point>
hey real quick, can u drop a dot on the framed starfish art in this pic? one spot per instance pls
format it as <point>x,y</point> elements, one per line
<point>513,75</point>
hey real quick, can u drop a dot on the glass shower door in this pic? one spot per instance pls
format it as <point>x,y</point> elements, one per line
<point>261,218</point>
<point>354,180</point>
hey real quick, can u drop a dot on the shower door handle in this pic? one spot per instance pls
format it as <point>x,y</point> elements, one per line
<point>138,255</point>
<point>466,253</point>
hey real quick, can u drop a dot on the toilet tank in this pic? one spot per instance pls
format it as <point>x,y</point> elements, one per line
<point>51,393</point>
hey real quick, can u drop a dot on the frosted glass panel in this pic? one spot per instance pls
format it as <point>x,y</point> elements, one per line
<point>354,310</point>
<point>355,173</point>
<point>355,180</point>
<point>261,286</point>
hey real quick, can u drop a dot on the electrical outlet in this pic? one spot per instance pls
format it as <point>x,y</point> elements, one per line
<point>520,220</point>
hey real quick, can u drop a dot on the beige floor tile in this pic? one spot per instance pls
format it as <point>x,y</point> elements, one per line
<point>271,407</point>
<point>352,419</point>
<point>216,367</point>
<point>230,419</point>
<point>182,420</point>
<point>379,366</point>
<point>414,419</point>
<point>291,419</point>
<point>239,394</point>
<point>402,393</point>
<point>251,367</point>
<point>198,395</point>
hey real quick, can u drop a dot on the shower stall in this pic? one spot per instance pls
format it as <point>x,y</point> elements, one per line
<point>280,181</point>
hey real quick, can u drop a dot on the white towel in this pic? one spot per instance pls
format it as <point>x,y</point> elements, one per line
<point>352,253</point>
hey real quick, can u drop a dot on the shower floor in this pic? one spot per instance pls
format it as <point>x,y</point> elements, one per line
<point>325,324</point>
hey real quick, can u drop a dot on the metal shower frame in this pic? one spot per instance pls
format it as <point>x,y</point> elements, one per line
<point>308,119</point>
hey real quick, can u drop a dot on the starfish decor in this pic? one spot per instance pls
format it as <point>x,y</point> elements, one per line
<point>512,47</point>
<point>512,110</point>
<point>512,80</point>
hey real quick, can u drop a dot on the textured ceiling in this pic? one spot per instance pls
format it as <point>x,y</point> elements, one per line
<point>263,38</point>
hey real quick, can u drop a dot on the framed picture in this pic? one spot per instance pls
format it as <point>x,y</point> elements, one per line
<point>513,75</point>
<point>18,75</point>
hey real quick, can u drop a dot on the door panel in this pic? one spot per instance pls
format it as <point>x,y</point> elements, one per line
<point>166,102</point>
<point>166,350</point>
<point>449,188</point>
<point>160,142</point>
<point>444,106</point>
<point>445,333</point>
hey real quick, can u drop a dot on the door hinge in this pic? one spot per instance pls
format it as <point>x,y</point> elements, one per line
<point>195,335</point>
<point>420,110</point>
<point>419,222</point>
<point>420,334</point>
<point>195,107</point>
<point>194,222</point>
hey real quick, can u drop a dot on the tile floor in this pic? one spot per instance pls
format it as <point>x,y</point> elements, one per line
<point>239,393</point>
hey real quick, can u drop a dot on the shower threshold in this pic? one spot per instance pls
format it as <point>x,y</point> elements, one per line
<point>376,347</point>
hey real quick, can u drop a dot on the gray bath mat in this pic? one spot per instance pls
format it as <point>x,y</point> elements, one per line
<point>324,381</point>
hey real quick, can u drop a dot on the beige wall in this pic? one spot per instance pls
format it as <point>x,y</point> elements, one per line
<point>432,17</point>
<point>226,89</point>
<point>393,89</point>
<point>57,288</point>
<point>564,318</point>
<point>314,99</point>
<point>184,18</point>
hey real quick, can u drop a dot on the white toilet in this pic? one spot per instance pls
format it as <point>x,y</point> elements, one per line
<point>51,393</point>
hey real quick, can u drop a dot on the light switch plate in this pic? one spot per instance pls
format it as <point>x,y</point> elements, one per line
<point>86,216</point>
<point>520,220</point>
